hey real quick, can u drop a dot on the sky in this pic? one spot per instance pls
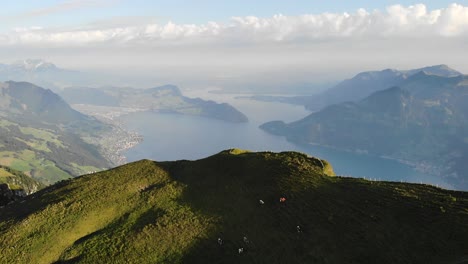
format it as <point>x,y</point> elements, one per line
<point>262,42</point>
<point>51,13</point>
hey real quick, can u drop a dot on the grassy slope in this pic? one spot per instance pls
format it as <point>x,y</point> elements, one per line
<point>41,135</point>
<point>170,212</point>
<point>44,155</point>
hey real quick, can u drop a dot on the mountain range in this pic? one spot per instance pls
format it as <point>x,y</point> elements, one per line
<point>73,86</point>
<point>234,207</point>
<point>423,121</point>
<point>366,83</point>
<point>359,87</point>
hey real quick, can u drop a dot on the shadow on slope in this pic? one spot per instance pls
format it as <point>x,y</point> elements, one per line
<point>342,220</point>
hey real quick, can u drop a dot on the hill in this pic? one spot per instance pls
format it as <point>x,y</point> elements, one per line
<point>42,136</point>
<point>165,99</point>
<point>26,101</point>
<point>175,212</point>
<point>423,121</point>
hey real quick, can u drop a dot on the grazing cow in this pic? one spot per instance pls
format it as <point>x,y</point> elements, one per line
<point>220,241</point>
<point>262,202</point>
<point>246,240</point>
<point>298,229</point>
<point>241,250</point>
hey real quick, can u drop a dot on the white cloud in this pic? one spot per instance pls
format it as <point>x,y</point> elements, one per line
<point>396,21</point>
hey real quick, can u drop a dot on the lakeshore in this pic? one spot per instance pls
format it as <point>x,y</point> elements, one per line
<point>115,143</point>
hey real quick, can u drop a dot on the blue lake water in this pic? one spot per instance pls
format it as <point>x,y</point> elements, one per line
<point>173,137</point>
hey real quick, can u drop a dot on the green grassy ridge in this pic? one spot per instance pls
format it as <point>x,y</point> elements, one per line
<point>174,212</point>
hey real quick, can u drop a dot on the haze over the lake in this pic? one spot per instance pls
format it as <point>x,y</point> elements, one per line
<point>266,44</point>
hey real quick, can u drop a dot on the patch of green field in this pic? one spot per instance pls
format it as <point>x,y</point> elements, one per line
<point>35,144</point>
<point>43,136</point>
<point>26,161</point>
<point>237,151</point>
<point>85,169</point>
<point>6,158</point>
<point>5,123</point>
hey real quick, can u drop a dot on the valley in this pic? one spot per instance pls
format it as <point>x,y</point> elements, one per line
<point>173,137</point>
<point>289,132</point>
<point>44,137</point>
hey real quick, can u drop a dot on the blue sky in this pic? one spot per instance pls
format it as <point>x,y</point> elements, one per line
<point>59,13</point>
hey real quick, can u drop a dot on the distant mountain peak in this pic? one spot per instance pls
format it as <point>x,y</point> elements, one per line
<point>439,70</point>
<point>34,64</point>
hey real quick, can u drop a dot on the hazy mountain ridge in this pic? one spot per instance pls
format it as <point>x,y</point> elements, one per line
<point>359,87</point>
<point>166,99</point>
<point>366,83</point>
<point>160,212</point>
<point>42,73</point>
<point>424,121</point>
<point>43,136</point>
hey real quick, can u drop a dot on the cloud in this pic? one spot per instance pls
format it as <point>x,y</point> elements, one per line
<point>396,21</point>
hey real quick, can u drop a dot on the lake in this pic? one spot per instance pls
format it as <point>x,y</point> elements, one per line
<point>174,137</point>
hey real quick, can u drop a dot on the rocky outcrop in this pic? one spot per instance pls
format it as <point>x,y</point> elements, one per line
<point>8,195</point>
